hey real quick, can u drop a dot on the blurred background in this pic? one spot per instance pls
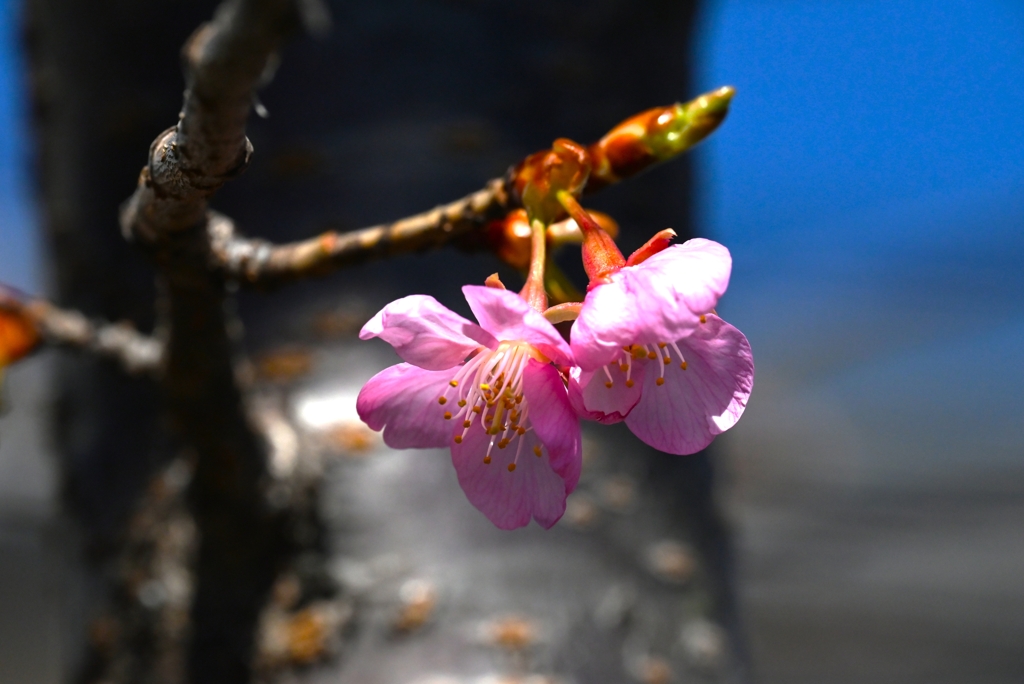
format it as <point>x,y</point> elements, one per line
<point>869,182</point>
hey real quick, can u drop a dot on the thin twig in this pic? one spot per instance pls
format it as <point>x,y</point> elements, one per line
<point>257,261</point>
<point>138,353</point>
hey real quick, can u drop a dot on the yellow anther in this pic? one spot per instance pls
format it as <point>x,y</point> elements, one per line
<point>630,383</point>
<point>447,415</point>
<point>608,384</point>
<point>503,443</point>
<point>703,318</point>
<point>537,451</point>
<point>511,467</point>
<point>453,383</point>
<point>458,439</point>
<point>442,400</point>
<point>466,423</point>
<point>667,359</point>
<point>476,409</point>
<point>652,355</point>
<point>462,402</point>
<point>624,367</point>
<point>662,345</point>
<point>484,386</point>
<point>683,365</point>
<point>521,430</point>
<point>487,460</point>
<point>659,382</point>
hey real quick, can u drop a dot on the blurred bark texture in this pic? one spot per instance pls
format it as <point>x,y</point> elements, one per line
<point>403,106</point>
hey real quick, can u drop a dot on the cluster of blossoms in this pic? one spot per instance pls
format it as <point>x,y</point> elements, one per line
<point>507,393</point>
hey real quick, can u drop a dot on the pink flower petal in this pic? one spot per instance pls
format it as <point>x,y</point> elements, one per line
<point>685,413</point>
<point>696,272</point>
<point>553,420</point>
<point>507,316</point>
<point>660,299</point>
<point>509,499</point>
<point>402,400</point>
<point>425,333</point>
<point>592,399</point>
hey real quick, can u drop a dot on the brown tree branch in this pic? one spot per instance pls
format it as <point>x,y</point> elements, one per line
<point>242,539</point>
<point>52,325</point>
<point>138,354</point>
<point>636,144</point>
<point>257,261</point>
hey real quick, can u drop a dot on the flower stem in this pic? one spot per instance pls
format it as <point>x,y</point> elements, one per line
<point>601,257</point>
<point>533,292</point>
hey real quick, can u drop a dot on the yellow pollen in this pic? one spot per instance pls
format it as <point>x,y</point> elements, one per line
<point>484,386</point>
<point>608,384</point>
<point>442,400</point>
<point>453,383</point>
<point>659,382</point>
<point>521,430</point>
<point>630,383</point>
<point>683,365</point>
<point>519,398</point>
<point>703,318</point>
<point>667,359</point>
<point>476,409</point>
<point>626,348</point>
<point>503,443</point>
<point>511,467</point>
<point>458,439</point>
<point>466,423</point>
<point>662,345</point>
<point>536,450</point>
<point>462,402</point>
<point>652,355</point>
<point>487,460</point>
<point>624,367</point>
<point>447,415</point>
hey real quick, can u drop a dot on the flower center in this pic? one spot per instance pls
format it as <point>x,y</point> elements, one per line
<point>643,352</point>
<point>489,389</point>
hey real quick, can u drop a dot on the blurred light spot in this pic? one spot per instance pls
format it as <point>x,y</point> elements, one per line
<point>419,598</point>
<point>318,413</point>
<point>704,644</point>
<point>671,561</point>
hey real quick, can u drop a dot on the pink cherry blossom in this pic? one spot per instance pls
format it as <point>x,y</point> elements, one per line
<point>490,392</point>
<point>650,352</point>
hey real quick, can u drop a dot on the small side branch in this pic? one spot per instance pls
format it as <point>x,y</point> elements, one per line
<point>138,354</point>
<point>260,262</point>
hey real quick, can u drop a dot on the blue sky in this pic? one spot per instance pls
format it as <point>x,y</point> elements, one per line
<point>861,109</point>
<point>18,247</point>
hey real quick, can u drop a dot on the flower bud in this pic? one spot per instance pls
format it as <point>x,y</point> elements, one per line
<point>540,177</point>
<point>656,136</point>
